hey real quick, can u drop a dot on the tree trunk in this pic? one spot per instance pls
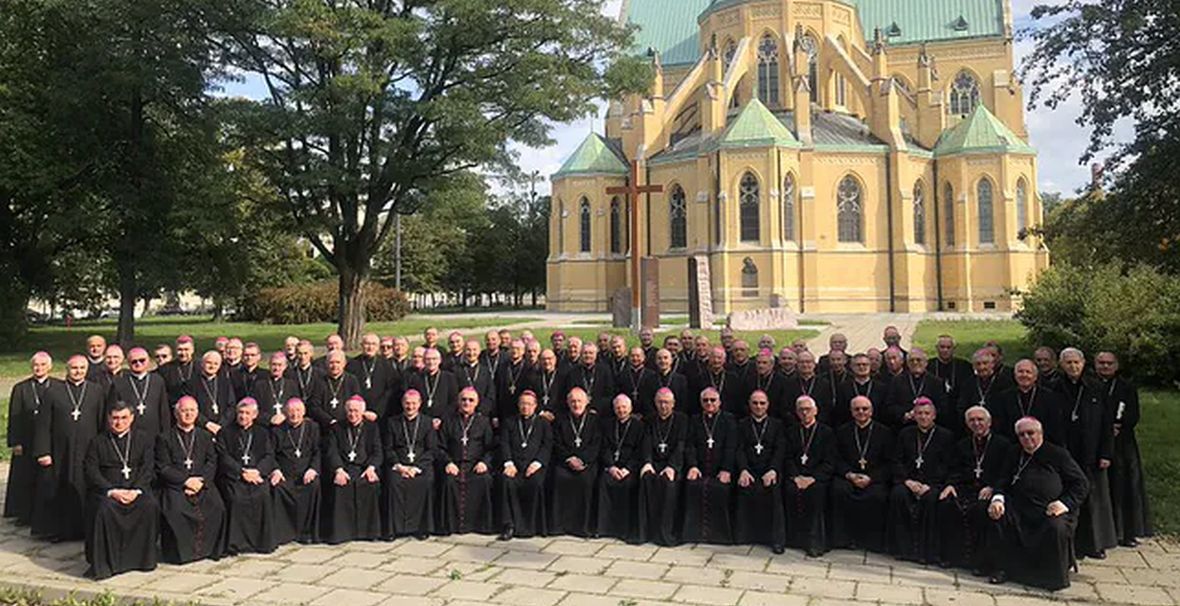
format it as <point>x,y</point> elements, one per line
<point>352,307</point>
<point>147,303</point>
<point>127,291</point>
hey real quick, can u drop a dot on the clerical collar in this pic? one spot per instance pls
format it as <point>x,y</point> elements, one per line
<point>408,417</point>
<point>246,427</point>
<point>337,377</point>
<point>982,439</point>
<point>925,431</point>
<point>861,380</point>
<point>667,418</point>
<point>304,366</point>
<point>77,383</point>
<point>810,425</point>
<point>293,423</point>
<point>41,380</point>
<point>803,378</point>
<point>139,375</point>
<point>120,436</point>
<point>97,360</point>
<point>759,419</point>
<point>866,425</point>
<point>190,428</point>
<point>251,368</point>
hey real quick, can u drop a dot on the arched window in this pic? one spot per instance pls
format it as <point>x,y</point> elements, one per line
<point>789,207</point>
<point>677,218</point>
<point>964,94</point>
<point>728,54</point>
<point>748,206</point>
<point>849,207</point>
<point>560,226</point>
<point>1021,207</point>
<point>617,229</point>
<point>948,212</point>
<point>919,214</point>
<point>768,71</point>
<point>987,232</point>
<point>749,278</point>
<point>584,225</point>
<point>841,91</point>
<point>717,208</point>
<point>812,50</point>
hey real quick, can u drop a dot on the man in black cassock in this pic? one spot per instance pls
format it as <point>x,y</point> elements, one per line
<point>976,468</point>
<point>907,387</point>
<point>332,343</point>
<point>232,361</point>
<point>713,373</point>
<point>806,383</point>
<point>667,377</point>
<point>1035,509</point>
<point>948,368</point>
<point>295,479</point>
<point>376,377</point>
<point>526,443</point>
<point>546,380</point>
<point>1049,372</point>
<point>273,392</point>
<point>787,361</point>
<point>214,394</point>
<point>336,387</point>
<point>860,383</point>
<point>807,473</point>
<point>511,378</point>
<point>766,378</point>
<point>352,458</point>
<point>890,364</point>
<point>1029,398</point>
<point>245,460</point>
<point>1127,491</point>
<point>96,349</point>
<point>192,514</point>
<point>639,382</point>
<point>1089,437</point>
<point>709,457</point>
<point>466,451</point>
<point>470,371</point>
<point>454,354</point>
<point>595,378</point>
<point>178,373</point>
<point>440,391</point>
<point>144,391</point>
<point>23,406</point>
<point>983,387</point>
<point>576,447</point>
<point>761,450</point>
<point>620,456</point>
<point>860,490</point>
<point>411,446</point>
<point>70,416</point>
<point>247,375</point>
<point>739,361</point>
<point>920,469</point>
<point>307,375</point>
<point>122,515</point>
<point>660,478</point>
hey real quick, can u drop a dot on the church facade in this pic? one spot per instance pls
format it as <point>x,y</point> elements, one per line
<point>826,155</point>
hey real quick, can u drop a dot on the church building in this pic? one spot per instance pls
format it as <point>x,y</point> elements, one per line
<point>824,155</point>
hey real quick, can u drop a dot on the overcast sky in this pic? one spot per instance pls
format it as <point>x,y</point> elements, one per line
<point>1054,133</point>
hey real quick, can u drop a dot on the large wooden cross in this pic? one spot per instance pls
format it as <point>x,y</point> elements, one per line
<point>632,191</point>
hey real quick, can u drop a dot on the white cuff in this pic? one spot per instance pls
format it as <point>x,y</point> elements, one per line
<point>998,498</point>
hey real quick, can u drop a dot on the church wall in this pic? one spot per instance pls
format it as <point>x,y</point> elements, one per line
<point>582,281</point>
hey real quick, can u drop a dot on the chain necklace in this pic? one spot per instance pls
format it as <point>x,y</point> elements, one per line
<point>411,437</point>
<point>212,393</point>
<point>430,390</point>
<point>124,456</point>
<point>810,385</point>
<point>863,449</point>
<point>709,429</point>
<point>1032,396</point>
<point>524,436</point>
<point>1077,401</point>
<point>466,428</point>
<point>984,392</point>
<point>923,445</point>
<point>339,382</point>
<point>1023,464</point>
<point>353,441</point>
<point>919,388</point>
<point>187,448</point>
<point>76,403</point>
<point>139,397</point>
<point>758,447</point>
<point>514,376</point>
<point>297,445</point>
<point>769,381</point>
<point>807,442</point>
<point>276,393</point>
<point>662,445</point>
<point>619,438</point>
<point>980,455</point>
<point>588,379</point>
<point>246,445</point>
<point>577,429</point>
<point>369,369</point>
<point>546,386</point>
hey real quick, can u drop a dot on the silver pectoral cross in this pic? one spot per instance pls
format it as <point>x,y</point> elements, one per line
<point>918,462</point>
<point>757,449</point>
<point>663,446</point>
<point>463,440</point>
<point>524,444</point>
<point>978,472</point>
<point>126,471</point>
<point>298,453</point>
<point>709,443</point>
<point>803,459</point>
<point>577,442</point>
<point>351,456</point>
<point>545,401</point>
<point>76,413</point>
<point>188,464</point>
<point>368,382</point>
<point>334,402</point>
<point>141,408</point>
<point>246,458</point>
<point>410,456</point>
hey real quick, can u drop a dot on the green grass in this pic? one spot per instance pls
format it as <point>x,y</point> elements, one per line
<point>1156,431</point>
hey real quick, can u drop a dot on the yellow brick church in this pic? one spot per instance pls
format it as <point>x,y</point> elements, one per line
<point>825,155</point>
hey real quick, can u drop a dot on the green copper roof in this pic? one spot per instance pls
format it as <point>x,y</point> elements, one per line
<point>593,157</point>
<point>671,26</point>
<point>980,132</point>
<point>755,126</point>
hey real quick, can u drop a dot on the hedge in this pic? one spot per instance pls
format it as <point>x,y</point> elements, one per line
<point>320,302</point>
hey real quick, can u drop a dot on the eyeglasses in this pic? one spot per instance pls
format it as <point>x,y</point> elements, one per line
<point>710,399</point>
<point>1027,434</point>
<point>139,361</point>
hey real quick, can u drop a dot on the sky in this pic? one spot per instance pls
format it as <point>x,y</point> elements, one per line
<point>1054,133</point>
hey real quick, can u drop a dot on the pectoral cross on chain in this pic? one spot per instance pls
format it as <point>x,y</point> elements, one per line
<point>803,459</point>
<point>463,440</point>
<point>709,443</point>
<point>663,446</point>
<point>978,472</point>
<point>141,408</point>
<point>410,456</point>
<point>577,442</point>
<point>918,462</point>
<point>246,458</point>
<point>757,449</point>
<point>188,464</point>
<point>126,471</point>
<point>76,413</point>
<point>351,456</point>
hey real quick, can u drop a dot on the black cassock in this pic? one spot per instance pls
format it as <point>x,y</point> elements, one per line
<point>810,452</point>
<point>148,398</point>
<point>377,381</point>
<point>659,497</point>
<point>249,507</point>
<point>618,500</point>
<point>245,381</point>
<point>1089,437</point>
<point>1031,546</point>
<point>979,391</point>
<point>479,378</point>
<point>759,513</point>
<point>308,381</point>
<point>409,502</point>
<point>215,400</point>
<point>297,503</point>
<point>640,384</point>
<point>95,369</point>
<point>874,390</point>
<point>726,382</point>
<point>548,386</point>
<point>905,388</point>
<point>193,527</point>
<point>64,435</point>
<point>1127,491</point>
<point>353,510</point>
<point>334,392</point>
<point>522,499</point>
<point>678,384</point>
<point>913,520</point>
<point>177,377</point>
<point>711,447</point>
<point>599,383</point>
<point>440,393</point>
<point>120,537</point>
<point>820,389</point>
<point>510,379</point>
<point>465,500</point>
<point>775,385</point>
<point>23,406</point>
<point>962,520</point>
<point>858,514</point>
<point>952,374</point>
<point>273,393</point>
<point>571,498</point>
<point>1039,402</point>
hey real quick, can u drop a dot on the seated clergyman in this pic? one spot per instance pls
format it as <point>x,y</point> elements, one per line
<point>246,459</point>
<point>526,442</point>
<point>295,480</point>
<point>193,514</point>
<point>352,459</point>
<point>411,446</point>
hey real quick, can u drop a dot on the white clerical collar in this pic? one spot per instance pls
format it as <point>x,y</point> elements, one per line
<point>139,375</point>
<point>120,436</point>
<point>41,380</point>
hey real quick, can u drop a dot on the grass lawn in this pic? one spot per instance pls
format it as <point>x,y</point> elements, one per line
<point>1156,431</point>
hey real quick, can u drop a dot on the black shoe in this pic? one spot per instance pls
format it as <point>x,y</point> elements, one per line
<point>422,536</point>
<point>998,578</point>
<point>1132,542</point>
<point>507,534</point>
<point>1097,555</point>
<point>978,572</point>
<point>778,549</point>
<point>944,564</point>
<point>814,552</point>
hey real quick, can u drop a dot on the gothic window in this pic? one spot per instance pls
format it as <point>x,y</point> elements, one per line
<point>948,205</point>
<point>987,232</point>
<point>812,50</point>
<point>749,278</point>
<point>1021,207</point>
<point>841,91</point>
<point>677,218</point>
<point>964,94</point>
<point>717,220</point>
<point>729,53</point>
<point>849,208</point>
<point>560,226</point>
<point>584,224</point>
<point>919,214</point>
<point>748,206</point>
<point>616,226</point>
<point>768,71</point>
<point>789,208</point>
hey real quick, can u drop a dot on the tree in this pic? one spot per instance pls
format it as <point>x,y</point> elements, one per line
<point>372,104</point>
<point>1120,57</point>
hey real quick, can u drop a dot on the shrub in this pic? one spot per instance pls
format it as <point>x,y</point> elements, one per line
<point>1135,314</point>
<point>319,302</point>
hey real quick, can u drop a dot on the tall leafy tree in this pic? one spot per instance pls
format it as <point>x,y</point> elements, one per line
<point>373,103</point>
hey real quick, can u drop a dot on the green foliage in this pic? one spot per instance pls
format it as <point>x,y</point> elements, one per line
<point>1135,314</point>
<point>319,302</point>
